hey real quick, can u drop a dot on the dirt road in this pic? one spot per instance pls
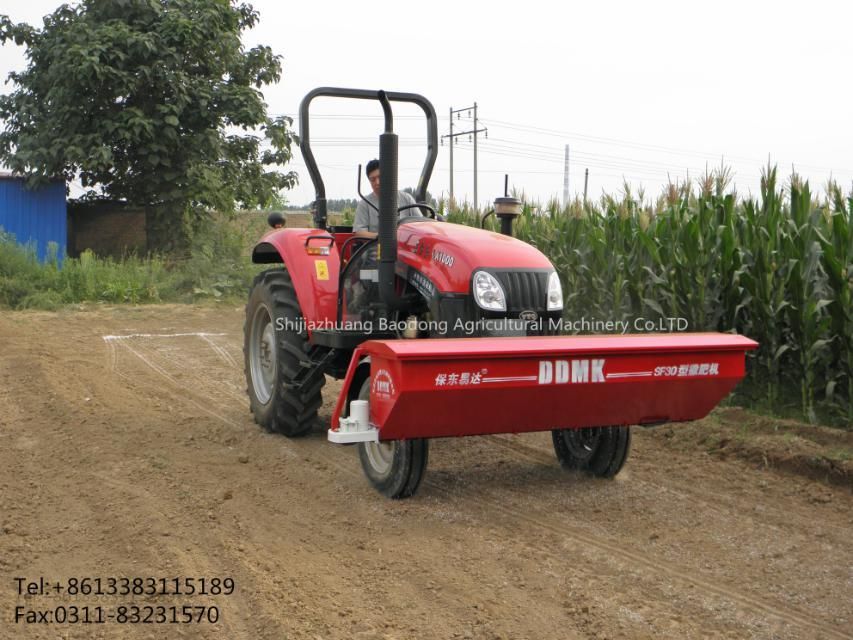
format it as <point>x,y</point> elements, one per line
<point>127,450</point>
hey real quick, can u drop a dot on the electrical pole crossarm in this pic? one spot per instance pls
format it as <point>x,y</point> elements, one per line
<point>463,133</point>
<point>453,135</point>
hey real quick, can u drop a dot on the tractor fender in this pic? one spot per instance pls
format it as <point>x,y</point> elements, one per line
<point>311,258</point>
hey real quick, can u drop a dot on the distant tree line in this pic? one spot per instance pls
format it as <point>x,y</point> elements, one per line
<point>339,204</point>
<point>332,204</point>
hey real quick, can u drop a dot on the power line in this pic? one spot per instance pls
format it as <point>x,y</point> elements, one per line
<point>591,159</point>
<point>642,146</point>
<point>613,141</point>
<point>548,132</point>
<point>552,154</point>
<point>451,137</point>
<point>630,172</point>
<point>605,164</point>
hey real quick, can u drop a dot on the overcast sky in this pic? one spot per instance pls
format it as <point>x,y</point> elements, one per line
<point>638,90</point>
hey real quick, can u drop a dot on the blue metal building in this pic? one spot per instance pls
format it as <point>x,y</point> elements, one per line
<point>37,217</point>
<point>34,216</point>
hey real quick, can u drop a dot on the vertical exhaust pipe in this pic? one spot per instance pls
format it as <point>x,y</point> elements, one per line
<point>387,207</point>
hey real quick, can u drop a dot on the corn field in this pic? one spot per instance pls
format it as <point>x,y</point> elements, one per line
<point>777,268</point>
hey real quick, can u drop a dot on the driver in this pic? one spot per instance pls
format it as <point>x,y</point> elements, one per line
<point>366,223</point>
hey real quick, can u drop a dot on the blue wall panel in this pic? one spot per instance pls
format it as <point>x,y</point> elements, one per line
<point>36,217</point>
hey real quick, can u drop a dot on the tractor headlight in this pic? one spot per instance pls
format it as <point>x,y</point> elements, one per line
<point>488,292</point>
<point>555,292</point>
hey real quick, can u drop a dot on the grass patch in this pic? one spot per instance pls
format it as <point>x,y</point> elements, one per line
<point>218,267</point>
<point>817,452</point>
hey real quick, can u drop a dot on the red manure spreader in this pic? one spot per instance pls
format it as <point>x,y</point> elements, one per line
<point>439,329</point>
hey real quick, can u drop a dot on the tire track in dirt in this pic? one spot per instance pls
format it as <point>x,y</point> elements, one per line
<point>783,612</point>
<point>683,493</point>
<point>789,615</point>
<point>111,504</point>
<point>304,449</point>
<point>221,351</point>
<point>786,613</point>
<point>193,398</point>
<point>187,392</point>
<point>174,382</point>
<point>191,564</point>
<point>189,364</point>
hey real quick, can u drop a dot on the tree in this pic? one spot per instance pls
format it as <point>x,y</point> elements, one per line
<point>155,102</point>
<point>428,199</point>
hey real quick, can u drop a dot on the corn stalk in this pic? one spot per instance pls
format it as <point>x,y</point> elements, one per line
<point>807,315</point>
<point>837,260</point>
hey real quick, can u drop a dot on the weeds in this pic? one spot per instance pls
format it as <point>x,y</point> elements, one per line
<point>218,267</point>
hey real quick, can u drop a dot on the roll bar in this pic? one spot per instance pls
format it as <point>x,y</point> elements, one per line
<point>384,97</point>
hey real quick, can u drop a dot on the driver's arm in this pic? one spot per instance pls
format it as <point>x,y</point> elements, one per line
<point>404,199</point>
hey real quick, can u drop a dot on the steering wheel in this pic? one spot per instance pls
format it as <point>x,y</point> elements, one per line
<point>419,206</point>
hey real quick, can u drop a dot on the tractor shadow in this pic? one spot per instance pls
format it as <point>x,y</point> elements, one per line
<point>472,466</point>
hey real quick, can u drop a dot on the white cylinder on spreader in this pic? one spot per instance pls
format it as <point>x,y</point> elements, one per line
<point>360,411</point>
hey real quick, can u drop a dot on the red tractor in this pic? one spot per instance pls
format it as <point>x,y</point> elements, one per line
<point>440,330</point>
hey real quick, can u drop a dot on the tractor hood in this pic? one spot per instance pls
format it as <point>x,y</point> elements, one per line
<point>448,253</point>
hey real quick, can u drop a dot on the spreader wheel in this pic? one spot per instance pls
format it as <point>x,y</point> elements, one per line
<point>395,468</point>
<point>599,451</point>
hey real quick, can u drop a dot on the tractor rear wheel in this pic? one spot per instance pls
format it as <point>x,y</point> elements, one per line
<point>599,451</point>
<point>274,348</point>
<point>395,468</point>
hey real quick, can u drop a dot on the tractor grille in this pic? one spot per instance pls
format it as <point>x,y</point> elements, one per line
<point>524,289</point>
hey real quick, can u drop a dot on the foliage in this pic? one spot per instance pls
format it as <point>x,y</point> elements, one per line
<point>778,269</point>
<point>836,240</point>
<point>150,101</point>
<point>430,199</point>
<point>332,204</point>
<point>217,267</point>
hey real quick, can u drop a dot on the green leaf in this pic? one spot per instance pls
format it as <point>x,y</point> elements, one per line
<point>821,304</point>
<point>654,306</point>
<point>145,79</point>
<point>781,350</point>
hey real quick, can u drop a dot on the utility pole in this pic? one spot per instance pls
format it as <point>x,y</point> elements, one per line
<point>566,180</point>
<point>585,182</point>
<point>475,156</point>
<point>451,155</point>
<point>452,135</point>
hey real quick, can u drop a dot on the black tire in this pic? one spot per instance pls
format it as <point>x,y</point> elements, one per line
<point>274,346</point>
<point>599,451</point>
<point>395,468</point>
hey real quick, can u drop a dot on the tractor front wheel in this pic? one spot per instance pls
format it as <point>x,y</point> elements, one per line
<point>395,468</point>
<point>599,451</point>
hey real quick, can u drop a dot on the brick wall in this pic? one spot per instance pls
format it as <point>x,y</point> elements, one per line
<point>107,229</point>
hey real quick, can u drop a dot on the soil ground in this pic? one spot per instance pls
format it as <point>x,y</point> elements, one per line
<point>127,450</point>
